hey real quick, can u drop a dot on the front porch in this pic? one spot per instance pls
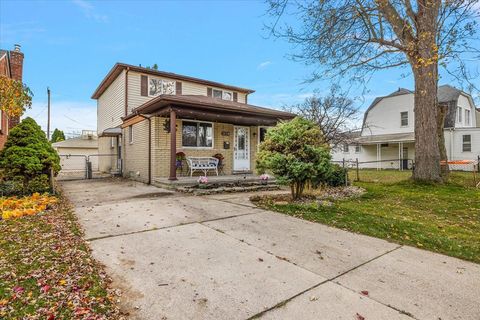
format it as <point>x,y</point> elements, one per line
<point>196,127</point>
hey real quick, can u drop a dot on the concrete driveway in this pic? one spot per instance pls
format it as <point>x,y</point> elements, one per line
<point>218,257</point>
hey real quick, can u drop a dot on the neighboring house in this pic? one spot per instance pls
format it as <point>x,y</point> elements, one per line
<point>146,116</point>
<point>11,66</point>
<point>478,117</point>
<point>74,152</point>
<point>387,138</point>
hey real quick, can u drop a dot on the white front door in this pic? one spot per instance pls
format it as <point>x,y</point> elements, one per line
<point>241,149</point>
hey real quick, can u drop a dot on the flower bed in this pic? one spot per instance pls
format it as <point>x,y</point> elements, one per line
<point>13,207</point>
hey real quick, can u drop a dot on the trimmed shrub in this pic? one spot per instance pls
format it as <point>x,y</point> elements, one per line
<point>28,157</point>
<point>296,153</point>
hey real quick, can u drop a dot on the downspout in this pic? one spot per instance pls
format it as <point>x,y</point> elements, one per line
<point>126,91</point>
<point>149,151</point>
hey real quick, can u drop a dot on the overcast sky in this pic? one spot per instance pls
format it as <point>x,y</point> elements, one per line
<point>71,45</point>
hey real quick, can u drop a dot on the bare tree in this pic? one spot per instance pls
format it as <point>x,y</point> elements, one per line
<point>335,114</point>
<point>359,37</point>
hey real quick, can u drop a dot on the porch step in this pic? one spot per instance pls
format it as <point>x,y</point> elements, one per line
<point>203,192</point>
<point>237,173</point>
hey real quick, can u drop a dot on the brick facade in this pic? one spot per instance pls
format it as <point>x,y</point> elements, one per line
<point>11,66</point>
<point>136,153</point>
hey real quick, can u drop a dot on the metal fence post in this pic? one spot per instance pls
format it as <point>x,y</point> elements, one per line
<point>358,176</point>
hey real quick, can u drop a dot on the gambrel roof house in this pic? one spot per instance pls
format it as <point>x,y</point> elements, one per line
<point>387,138</point>
<point>145,117</point>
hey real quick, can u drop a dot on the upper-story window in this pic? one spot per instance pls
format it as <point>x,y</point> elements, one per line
<point>467,117</point>
<point>357,148</point>
<point>345,148</point>
<point>159,86</point>
<point>221,94</point>
<point>459,112</point>
<point>404,119</point>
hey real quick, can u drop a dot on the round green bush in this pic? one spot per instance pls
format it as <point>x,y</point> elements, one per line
<point>28,157</point>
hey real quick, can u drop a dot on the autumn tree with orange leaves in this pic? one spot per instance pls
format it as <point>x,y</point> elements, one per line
<point>15,97</point>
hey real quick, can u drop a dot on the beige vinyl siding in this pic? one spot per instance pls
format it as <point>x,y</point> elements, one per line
<point>135,155</point>
<point>111,105</point>
<point>135,99</point>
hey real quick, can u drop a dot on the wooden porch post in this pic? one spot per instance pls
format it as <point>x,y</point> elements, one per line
<point>173,145</point>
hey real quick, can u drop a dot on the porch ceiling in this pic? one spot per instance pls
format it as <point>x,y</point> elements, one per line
<point>210,109</point>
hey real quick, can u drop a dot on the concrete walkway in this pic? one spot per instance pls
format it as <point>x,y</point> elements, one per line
<point>218,257</point>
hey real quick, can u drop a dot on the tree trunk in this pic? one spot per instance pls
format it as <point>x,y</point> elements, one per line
<point>424,61</point>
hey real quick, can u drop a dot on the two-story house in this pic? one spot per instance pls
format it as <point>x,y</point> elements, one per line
<point>145,117</point>
<point>11,66</point>
<point>387,138</point>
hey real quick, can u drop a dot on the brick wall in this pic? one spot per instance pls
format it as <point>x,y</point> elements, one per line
<point>161,146</point>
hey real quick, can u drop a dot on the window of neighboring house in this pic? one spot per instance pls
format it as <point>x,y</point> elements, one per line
<point>467,143</point>
<point>158,86</point>
<point>345,147</point>
<point>130,134</point>
<point>357,148</point>
<point>467,117</point>
<point>197,134</point>
<point>404,119</point>
<point>224,95</point>
<point>459,112</point>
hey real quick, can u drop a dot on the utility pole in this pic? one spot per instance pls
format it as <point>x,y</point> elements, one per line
<point>48,121</point>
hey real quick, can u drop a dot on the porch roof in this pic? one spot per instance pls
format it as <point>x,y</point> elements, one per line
<point>386,138</point>
<point>210,109</point>
<point>111,132</point>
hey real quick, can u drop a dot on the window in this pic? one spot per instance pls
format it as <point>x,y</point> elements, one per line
<point>345,147</point>
<point>467,117</point>
<point>404,119</point>
<point>459,112</point>
<point>130,134</point>
<point>262,132</point>
<point>158,86</point>
<point>224,95</point>
<point>197,134</point>
<point>112,142</point>
<point>357,148</point>
<point>467,143</point>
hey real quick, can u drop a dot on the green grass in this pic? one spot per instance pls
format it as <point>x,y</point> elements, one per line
<point>46,270</point>
<point>441,218</point>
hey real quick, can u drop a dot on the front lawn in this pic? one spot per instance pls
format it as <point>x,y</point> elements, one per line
<point>46,271</point>
<point>444,218</point>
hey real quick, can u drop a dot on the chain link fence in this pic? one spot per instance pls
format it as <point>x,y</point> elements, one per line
<point>394,170</point>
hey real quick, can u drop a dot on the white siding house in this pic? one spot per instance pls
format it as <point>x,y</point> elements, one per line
<point>387,138</point>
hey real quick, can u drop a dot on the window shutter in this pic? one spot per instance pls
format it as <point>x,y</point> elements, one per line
<point>235,96</point>
<point>144,85</point>
<point>178,88</point>
<point>209,92</point>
